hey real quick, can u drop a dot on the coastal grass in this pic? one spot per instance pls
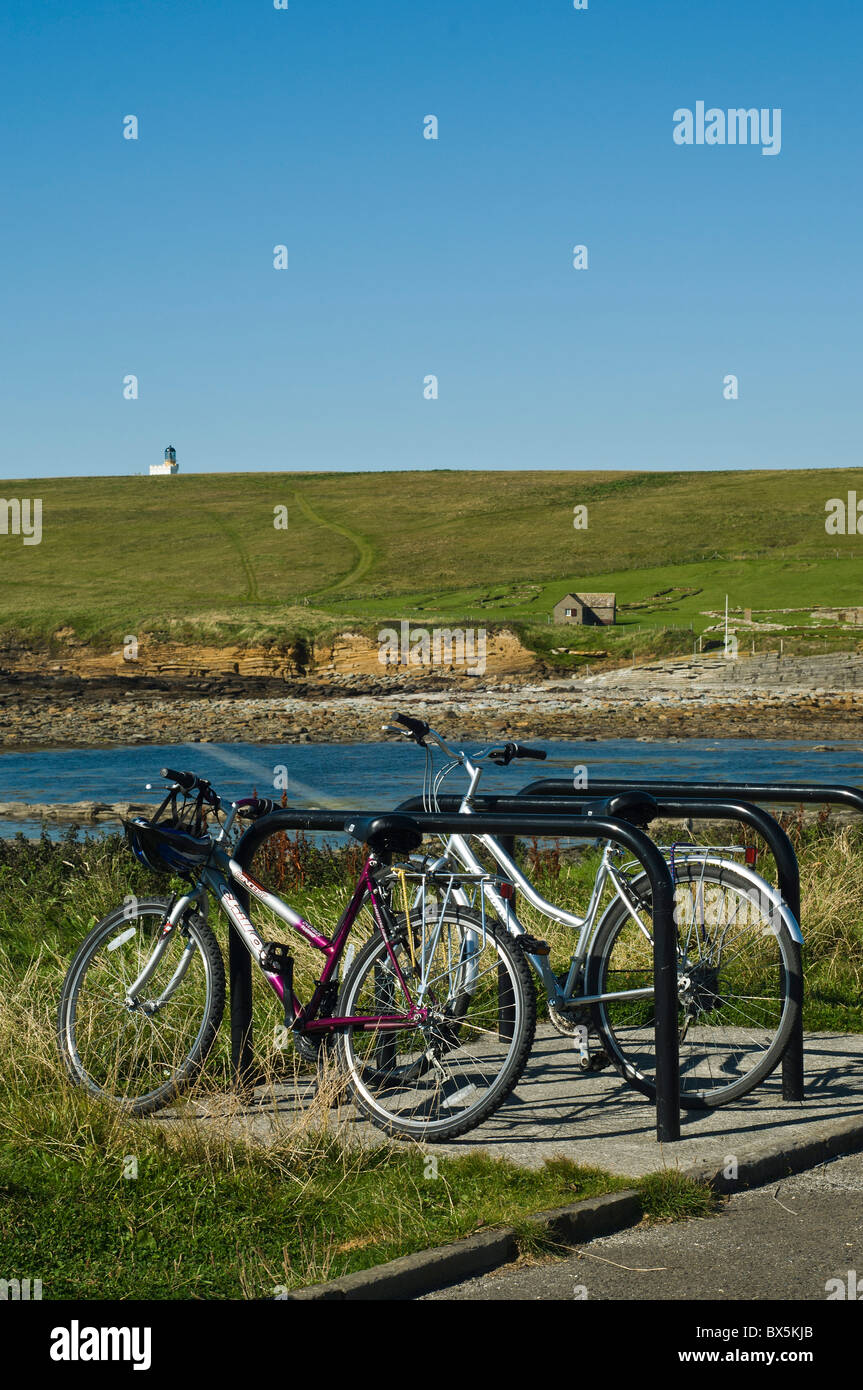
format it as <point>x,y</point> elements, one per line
<point>101,1206</point>
<point>202,1201</point>
<point>136,555</point>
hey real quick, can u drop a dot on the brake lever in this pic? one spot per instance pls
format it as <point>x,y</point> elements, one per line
<point>502,757</point>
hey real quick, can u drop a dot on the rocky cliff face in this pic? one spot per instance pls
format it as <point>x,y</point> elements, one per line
<point>346,655</point>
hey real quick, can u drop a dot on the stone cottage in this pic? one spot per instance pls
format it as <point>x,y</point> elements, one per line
<point>589,610</point>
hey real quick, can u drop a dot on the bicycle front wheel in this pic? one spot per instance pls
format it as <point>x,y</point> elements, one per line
<point>739,985</point>
<point>440,1078</point>
<point>141,1052</point>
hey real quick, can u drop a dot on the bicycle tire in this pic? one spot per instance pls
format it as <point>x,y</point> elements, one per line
<point>403,1089</point>
<point>731,1038</point>
<point>115,1064</point>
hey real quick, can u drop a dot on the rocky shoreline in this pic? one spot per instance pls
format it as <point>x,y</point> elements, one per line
<point>798,698</point>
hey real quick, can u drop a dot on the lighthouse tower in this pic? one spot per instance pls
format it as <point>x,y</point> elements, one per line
<point>169,466</point>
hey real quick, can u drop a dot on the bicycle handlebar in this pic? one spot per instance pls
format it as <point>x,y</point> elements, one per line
<point>254,807</point>
<point>417,728</point>
<point>509,751</point>
<point>188,782</point>
<point>420,731</point>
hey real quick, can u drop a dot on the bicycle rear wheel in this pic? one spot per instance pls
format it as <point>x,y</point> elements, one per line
<point>141,1053</point>
<point>739,986</point>
<point>443,1077</point>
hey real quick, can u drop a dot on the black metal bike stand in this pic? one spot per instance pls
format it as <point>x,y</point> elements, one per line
<point>240,987</point>
<point>562,826</point>
<point>553,796</point>
<point>718,793</point>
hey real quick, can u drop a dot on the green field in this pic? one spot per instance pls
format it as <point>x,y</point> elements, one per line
<point>199,557</point>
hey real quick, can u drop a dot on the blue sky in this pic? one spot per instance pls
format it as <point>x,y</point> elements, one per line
<point>409,256</point>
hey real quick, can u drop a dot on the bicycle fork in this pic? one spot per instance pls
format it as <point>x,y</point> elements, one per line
<point>169,927</point>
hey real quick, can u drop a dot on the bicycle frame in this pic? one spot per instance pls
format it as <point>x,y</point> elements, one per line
<point>458,848</point>
<point>217,876</point>
<point>587,925</point>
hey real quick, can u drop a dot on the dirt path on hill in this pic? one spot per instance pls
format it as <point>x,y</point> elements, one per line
<point>365,552</point>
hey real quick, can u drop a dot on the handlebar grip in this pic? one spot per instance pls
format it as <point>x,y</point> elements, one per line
<point>189,783</point>
<point>504,756</point>
<point>417,727</point>
<point>186,780</point>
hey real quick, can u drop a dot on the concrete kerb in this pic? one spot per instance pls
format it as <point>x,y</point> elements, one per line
<point>412,1275</point>
<point>769,1161</point>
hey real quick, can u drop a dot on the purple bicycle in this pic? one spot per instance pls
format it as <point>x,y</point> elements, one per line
<point>432,1022</point>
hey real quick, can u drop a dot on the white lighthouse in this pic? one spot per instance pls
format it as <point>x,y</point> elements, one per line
<point>169,466</point>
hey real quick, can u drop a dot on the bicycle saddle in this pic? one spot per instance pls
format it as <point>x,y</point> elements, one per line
<point>637,808</point>
<point>389,834</point>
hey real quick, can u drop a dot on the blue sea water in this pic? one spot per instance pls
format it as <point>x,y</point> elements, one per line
<point>371,775</point>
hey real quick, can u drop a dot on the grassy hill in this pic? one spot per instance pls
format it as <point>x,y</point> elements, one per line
<point>199,557</point>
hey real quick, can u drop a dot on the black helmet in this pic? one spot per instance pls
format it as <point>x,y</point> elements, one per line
<point>166,846</point>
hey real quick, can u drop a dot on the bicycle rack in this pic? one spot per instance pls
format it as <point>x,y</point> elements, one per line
<point>552,796</point>
<point>561,825</point>
<point>717,793</point>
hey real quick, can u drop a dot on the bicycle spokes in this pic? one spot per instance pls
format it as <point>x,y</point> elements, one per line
<point>135,1047</point>
<point>442,1076</point>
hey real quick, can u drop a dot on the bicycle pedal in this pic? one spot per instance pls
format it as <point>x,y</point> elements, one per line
<point>276,957</point>
<point>532,946</point>
<point>597,1062</point>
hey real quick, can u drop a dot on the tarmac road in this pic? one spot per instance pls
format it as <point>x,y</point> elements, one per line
<point>786,1241</point>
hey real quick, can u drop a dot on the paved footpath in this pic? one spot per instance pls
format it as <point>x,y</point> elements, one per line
<point>599,1120</point>
<point>784,1241</point>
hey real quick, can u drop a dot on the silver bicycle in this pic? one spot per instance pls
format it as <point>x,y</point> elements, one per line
<point>739,987</point>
